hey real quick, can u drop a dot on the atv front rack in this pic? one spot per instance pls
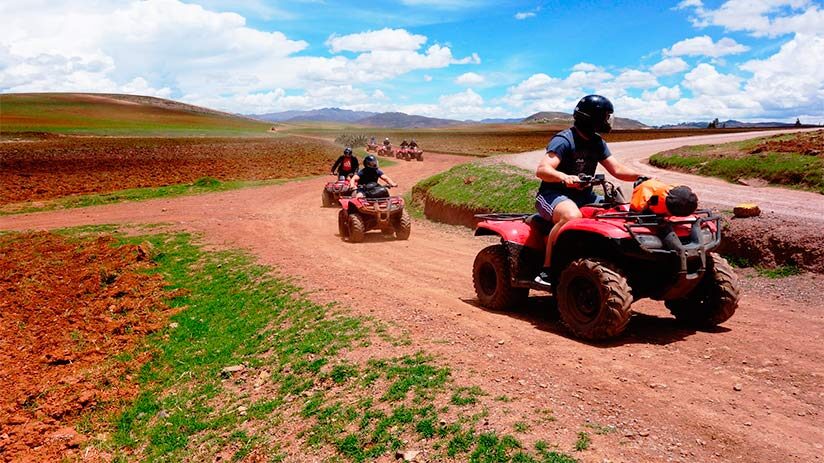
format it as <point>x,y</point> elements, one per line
<point>502,217</point>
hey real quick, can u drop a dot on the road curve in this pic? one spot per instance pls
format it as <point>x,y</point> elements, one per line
<point>751,391</point>
<point>713,191</point>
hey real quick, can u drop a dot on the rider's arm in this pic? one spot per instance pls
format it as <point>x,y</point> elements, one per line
<point>619,170</point>
<point>388,180</point>
<point>353,182</point>
<point>336,164</point>
<point>547,170</point>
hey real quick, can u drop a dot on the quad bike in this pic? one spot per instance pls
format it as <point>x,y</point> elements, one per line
<point>402,153</point>
<point>377,210</point>
<point>607,259</point>
<point>385,150</point>
<point>334,190</point>
<point>416,153</point>
<point>371,147</point>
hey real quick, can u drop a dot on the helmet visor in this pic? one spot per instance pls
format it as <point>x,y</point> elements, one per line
<point>606,125</point>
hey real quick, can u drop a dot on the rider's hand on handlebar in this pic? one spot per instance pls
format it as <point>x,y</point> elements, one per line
<point>571,181</point>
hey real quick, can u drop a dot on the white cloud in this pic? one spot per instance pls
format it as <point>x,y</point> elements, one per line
<point>704,79</point>
<point>762,18</point>
<point>704,46</point>
<point>427,78</point>
<point>669,66</point>
<point>382,40</point>
<point>635,79</point>
<point>521,15</point>
<point>586,67</point>
<point>469,79</point>
<point>662,94</point>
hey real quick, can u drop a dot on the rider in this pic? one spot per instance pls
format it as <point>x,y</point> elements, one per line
<point>404,144</point>
<point>372,141</point>
<point>576,150</point>
<point>413,144</point>
<point>346,165</point>
<point>369,174</point>
<point>386,142</point>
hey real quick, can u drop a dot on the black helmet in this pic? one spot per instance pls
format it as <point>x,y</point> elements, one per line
<point>593,114</point>
<point>347,151</point>
<point>370,161</point>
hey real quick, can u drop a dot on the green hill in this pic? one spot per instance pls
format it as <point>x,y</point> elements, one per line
<point>108,114</point>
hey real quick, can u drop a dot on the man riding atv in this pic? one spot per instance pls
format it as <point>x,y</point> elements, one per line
<point>413,144</point>
<point>570,153</point>
<point>346,165</point>
<point>370,174</point>
<point>404,144</point>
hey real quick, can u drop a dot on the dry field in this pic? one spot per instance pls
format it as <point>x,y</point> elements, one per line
<point>57,166</point>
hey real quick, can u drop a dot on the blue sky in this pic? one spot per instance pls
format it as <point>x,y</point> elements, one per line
<point>659,62</point>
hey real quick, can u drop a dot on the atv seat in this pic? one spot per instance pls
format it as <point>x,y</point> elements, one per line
<point>540,224</point>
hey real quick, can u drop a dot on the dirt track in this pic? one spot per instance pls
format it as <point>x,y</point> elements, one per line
<point>673,394</point>
<point>781,201</point>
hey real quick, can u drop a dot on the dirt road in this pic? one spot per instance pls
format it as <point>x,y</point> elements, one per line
<point>751,391</point>
<point>781,201</point>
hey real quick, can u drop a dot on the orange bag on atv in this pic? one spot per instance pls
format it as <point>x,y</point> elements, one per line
<point>659,198</point>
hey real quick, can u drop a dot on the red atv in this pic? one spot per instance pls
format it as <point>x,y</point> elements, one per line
<point>606,260</point>
<point>402,153</point>
<point>377,210</point>
<point>334,190</point>
<point>385,150</point>
<point>416,153</point>
<point>371,147</point>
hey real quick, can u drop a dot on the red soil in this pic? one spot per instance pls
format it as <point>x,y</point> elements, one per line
<point>66,307</point>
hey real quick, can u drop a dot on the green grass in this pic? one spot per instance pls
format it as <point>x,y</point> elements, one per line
<point>777,168</point>
<point>231,311</point>
<point>202,185</point>
<point>583,441</point>
<point>498,187</point>
<point>782,271</point>
<point>69,113</point>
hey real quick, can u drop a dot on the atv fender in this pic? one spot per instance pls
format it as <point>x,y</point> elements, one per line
<point>512,231</point>
<point>603,227</point>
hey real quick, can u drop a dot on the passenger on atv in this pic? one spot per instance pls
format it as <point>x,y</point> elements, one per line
<point>570,153</point>
<point>366,180</point>
<point>346,166</point>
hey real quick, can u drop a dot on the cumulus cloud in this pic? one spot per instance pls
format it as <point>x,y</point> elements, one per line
<point>635,79</point>
<point>705,46</point>
<point>469,79</point>
<point>521,15</point>
<point>383,40</point>
<point>762,18</point>
<point>704,79</point>
<point>669,66</point>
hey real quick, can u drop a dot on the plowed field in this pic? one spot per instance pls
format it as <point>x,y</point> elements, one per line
<point>66,308</point>
<point>53,167</point>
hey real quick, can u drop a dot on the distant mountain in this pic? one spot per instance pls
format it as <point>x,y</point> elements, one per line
<point>729,124</point>
<point>516,120</point>
<point>316,115</point>
<point>406,121</point>
<point>558,118</point>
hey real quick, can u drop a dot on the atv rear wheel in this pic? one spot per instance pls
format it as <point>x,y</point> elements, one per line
<point>404,226</point>
<point>594,299</point>
<point>713,301</point>
<point>356,228</point>
<point>343,226</point>
<point>326,199</point>
<point>492,280</point>
<point>419,156</point>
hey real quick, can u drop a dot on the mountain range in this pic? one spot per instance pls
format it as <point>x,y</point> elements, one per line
<point>403,120</point>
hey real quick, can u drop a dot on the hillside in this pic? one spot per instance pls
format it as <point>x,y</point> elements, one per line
<point>728,124</point>
<point>559,118</point>
<point>315,115</point>
<point>403,120</point>
<point>107,114</point>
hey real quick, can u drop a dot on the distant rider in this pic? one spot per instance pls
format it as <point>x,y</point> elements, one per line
<point>386,142</point>
<point>372,141</point>
<point>369,174</point>
<point>346,165</point>
<point>404,144</point>
<point>574,151</point>
<point>413,144</point>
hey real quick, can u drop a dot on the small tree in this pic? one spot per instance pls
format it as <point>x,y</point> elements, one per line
<point>797,122</point>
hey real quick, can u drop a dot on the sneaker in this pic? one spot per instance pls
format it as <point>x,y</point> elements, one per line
<point>543,280</point>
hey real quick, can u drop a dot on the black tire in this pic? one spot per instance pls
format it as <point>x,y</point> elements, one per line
<point>419,156</point>
<point>356,228</point>
<point>492,280</point>
<point>713,301</point>
<point>594,299</point>
<point>404,226</point>
<point>343,227</point>
<point>326,199</point>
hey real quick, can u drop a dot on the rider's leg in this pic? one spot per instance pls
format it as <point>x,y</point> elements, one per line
<point>564,212</point>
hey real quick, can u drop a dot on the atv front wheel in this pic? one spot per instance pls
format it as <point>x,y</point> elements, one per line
<point>356,228</point>
<point>343,227</point>
<point>326,199</point>
<point>492,280</point>
<point>713,301</point>
<point>594,299</point>
<point>404,226</point>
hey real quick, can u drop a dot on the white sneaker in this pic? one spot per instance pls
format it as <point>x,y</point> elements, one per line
<point>543,280</point>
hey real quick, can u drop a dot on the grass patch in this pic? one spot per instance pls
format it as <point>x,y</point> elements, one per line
<point>782,271</point>
<point>233,312</point>
<point>733,161</point>
<point>498,188</point>
<point>583,441</point>
<point>200,186</point>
